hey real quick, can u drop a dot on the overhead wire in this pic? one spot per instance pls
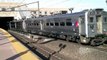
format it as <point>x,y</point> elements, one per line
<point>64,1</point>
<point>57,3</point>
<point>60,2</point>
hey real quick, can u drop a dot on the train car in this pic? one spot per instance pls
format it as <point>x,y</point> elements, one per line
<point>88,26</point>
<point>19,25</point>
<point>12,25</point>
<point>84,27</point>
<point>101,17</point>
<point>33,25</point>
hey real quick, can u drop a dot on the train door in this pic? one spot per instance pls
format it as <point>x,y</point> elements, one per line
<point>82,25</point>
<point>99,24</point>
<point>83,30</point>
<point>41,25</point>
<point>104,24</point>
<point>24,26</point>
<point>91,26</point>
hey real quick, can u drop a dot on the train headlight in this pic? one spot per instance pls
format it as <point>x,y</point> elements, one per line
<point>92,30</point>
<point>84,40</point>
<point>72,24</point>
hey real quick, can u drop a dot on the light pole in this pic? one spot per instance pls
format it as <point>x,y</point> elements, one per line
<point>71,9</point>
<point>26,5</point>
<point>38,9</point>
<point>106,1</point>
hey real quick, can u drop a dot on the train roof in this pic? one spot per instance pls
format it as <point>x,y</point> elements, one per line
<point>72,14</point>
<point>65,15</point>
<point>59,15</point>
<point>81,13</point>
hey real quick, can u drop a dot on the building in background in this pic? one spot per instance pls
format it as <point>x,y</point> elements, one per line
<point>12,9</point>
<point>18,11</point>
<point>48,11</point>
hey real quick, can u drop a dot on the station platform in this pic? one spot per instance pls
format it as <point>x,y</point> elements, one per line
<point>11,49</point>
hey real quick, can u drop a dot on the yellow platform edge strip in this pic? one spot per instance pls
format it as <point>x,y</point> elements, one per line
<point>20,49</point>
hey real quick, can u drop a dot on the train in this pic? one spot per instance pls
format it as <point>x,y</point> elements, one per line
<point>86,27</point>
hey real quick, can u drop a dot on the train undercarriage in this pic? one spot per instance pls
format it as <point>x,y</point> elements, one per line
<point>94,41</point>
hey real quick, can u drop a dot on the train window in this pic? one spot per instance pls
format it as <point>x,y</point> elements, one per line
<point>68,23</point>
<point>32,23</point>
<point>56,24</point>
<point>40,12</point>
<point>91,19</point>
<point>45,12</point>
<point>37,24</point>
<point>51,24</point>
<point>82,20</point>
<point>3,9</point>
<point>105,19</point>
<point>97,18</point>
<point>92,26</point>
<point>29,24</point>
<point>47,24</point>
<point>62,24</point>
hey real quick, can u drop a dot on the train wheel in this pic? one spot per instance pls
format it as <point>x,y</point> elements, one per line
<point>68,38</point>
<point>96,42</point>
<point>78,41</point>
<point>74,39</point>
<point>93,43</point>
<point>84,40</point>
<point>62,36</point>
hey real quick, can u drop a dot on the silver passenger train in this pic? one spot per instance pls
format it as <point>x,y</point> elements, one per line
<point>84,27</point>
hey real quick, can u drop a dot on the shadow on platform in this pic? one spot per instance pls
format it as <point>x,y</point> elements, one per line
<point>8,42</point>
<point>5,37</point>
<point>17,55</point>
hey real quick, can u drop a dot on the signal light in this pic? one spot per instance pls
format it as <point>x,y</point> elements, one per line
<point>76,24</point>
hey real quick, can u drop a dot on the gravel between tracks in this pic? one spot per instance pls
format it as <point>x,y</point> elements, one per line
<point>77,51</point>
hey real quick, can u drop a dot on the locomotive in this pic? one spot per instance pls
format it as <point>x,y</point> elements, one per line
<point>88,26</point>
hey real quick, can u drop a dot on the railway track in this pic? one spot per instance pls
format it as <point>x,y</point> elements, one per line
<point>52,49</point>
<point>42,51</point>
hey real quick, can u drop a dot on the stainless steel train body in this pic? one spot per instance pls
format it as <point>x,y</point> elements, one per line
<point>84,26</point>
